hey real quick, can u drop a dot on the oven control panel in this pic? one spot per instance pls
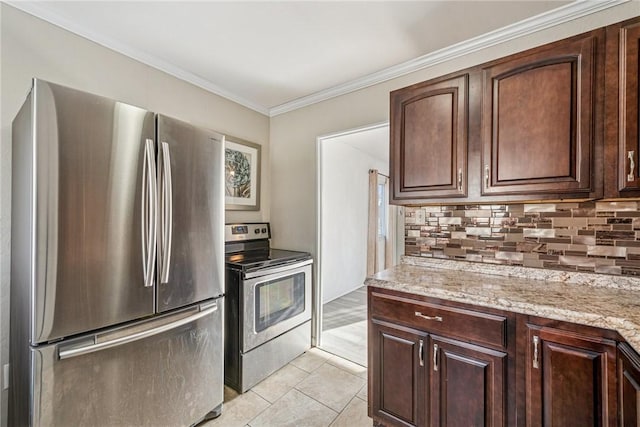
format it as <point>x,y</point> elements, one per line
<point>247,231</point>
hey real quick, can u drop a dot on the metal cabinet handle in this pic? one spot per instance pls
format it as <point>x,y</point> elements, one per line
<point>421,353</point>
<point>536,341</point>
<point>167,213</point>
<point>436,318</point>
<point>93,347</point>
<point>435,357</point>
<point>486,176</point>
<point>632,166</point>
<point>460,180</point>
<point>149,213</point>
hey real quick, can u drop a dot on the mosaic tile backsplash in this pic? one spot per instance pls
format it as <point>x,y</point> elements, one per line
<point>600,237</point>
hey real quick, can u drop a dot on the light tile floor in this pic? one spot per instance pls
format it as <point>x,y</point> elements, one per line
<point>317,389</point>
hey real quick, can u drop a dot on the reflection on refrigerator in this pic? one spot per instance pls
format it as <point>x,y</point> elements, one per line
<point>117,274</point>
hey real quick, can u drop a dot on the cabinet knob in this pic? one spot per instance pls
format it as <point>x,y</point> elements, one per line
<point>460,180</point>
<point>421,353</point>
<point>632,166</point>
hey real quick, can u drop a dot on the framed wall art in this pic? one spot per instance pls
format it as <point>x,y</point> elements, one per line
<point>242,175</point>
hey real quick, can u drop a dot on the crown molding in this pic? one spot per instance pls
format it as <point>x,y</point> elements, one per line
<point>519,29</point>
<point>38,10</point>
<point>522,28</point>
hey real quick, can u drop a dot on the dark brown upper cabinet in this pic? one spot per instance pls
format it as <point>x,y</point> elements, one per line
<point>541,127</point>
<point>622,98</point>
<point>529,126</point>
<point>429,140</point>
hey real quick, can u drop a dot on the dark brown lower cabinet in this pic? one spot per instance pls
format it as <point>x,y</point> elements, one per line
<point>420,376</point>
<point>628,386</point>
<point>467,384</point>
<point>570,379</point>
<point>431,365</point>
<point>397,376</point>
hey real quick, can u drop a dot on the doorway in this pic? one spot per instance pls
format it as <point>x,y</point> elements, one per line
<point>344,162</point>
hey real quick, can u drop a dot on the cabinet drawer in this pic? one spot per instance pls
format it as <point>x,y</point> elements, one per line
<point>477,327</point>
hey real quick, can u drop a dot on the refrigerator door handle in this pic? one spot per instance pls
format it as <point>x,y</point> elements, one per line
<point>149,213</point>
<point>166,214</point>
<point>144,207</point>
<point>93,347</point>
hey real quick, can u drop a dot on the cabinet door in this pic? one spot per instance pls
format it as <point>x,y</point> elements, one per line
<point>429,140</point>
<point>628,386</point>
<point>467,384</point>
<point>570,379</point>
<point>398,395</point>
<point>623,95</point>
<point>539,130</point>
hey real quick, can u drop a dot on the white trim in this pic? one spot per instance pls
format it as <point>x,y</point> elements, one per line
<point>522,28</point>
<point>38,10</point>
<point>554,17</point>
<point>317,312</point>
<point>353,130</point>
<point>317,284</point>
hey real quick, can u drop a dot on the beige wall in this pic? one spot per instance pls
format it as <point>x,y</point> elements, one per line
<point>31,47</point>
<point>293,135</point>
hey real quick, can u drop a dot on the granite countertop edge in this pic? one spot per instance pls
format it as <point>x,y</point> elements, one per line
<point>556,295</point>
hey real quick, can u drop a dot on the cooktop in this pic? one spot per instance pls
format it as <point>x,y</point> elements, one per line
<point>254,259</point>
<point>247,248</point>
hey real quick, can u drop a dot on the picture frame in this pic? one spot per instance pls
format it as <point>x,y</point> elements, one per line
<point>242,161</point>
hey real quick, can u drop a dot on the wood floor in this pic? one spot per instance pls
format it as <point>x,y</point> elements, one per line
<point>344,326</point>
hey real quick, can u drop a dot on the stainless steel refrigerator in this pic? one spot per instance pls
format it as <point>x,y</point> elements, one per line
<point>117,265</point>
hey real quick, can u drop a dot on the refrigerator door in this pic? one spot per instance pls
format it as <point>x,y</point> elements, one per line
<point>191,214</point>
<point>164,372</point>
<point>88,269</point>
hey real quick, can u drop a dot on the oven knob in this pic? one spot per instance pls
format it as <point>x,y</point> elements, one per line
<point>257,231</point>
<point>264,231</point>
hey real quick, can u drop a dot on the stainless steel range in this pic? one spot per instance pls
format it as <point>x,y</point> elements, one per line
<point>268,305</point>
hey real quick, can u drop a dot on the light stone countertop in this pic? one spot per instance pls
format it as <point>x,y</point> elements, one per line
<point>581,298</point>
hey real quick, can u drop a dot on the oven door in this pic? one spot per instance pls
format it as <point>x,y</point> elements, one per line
<point>275,300</point>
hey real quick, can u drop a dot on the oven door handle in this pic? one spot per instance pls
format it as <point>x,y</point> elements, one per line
<point>278,269</point>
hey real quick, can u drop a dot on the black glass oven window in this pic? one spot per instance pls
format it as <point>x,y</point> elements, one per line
<point>278,300</point>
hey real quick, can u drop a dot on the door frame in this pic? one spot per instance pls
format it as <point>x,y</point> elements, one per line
<point>316,316</point>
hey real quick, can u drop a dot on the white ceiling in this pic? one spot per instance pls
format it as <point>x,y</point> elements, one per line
<point>275,56</point>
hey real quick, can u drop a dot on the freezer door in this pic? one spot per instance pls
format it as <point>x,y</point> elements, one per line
<point>86,264</point>
<point>167,372</point>
<point>191,214</point>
